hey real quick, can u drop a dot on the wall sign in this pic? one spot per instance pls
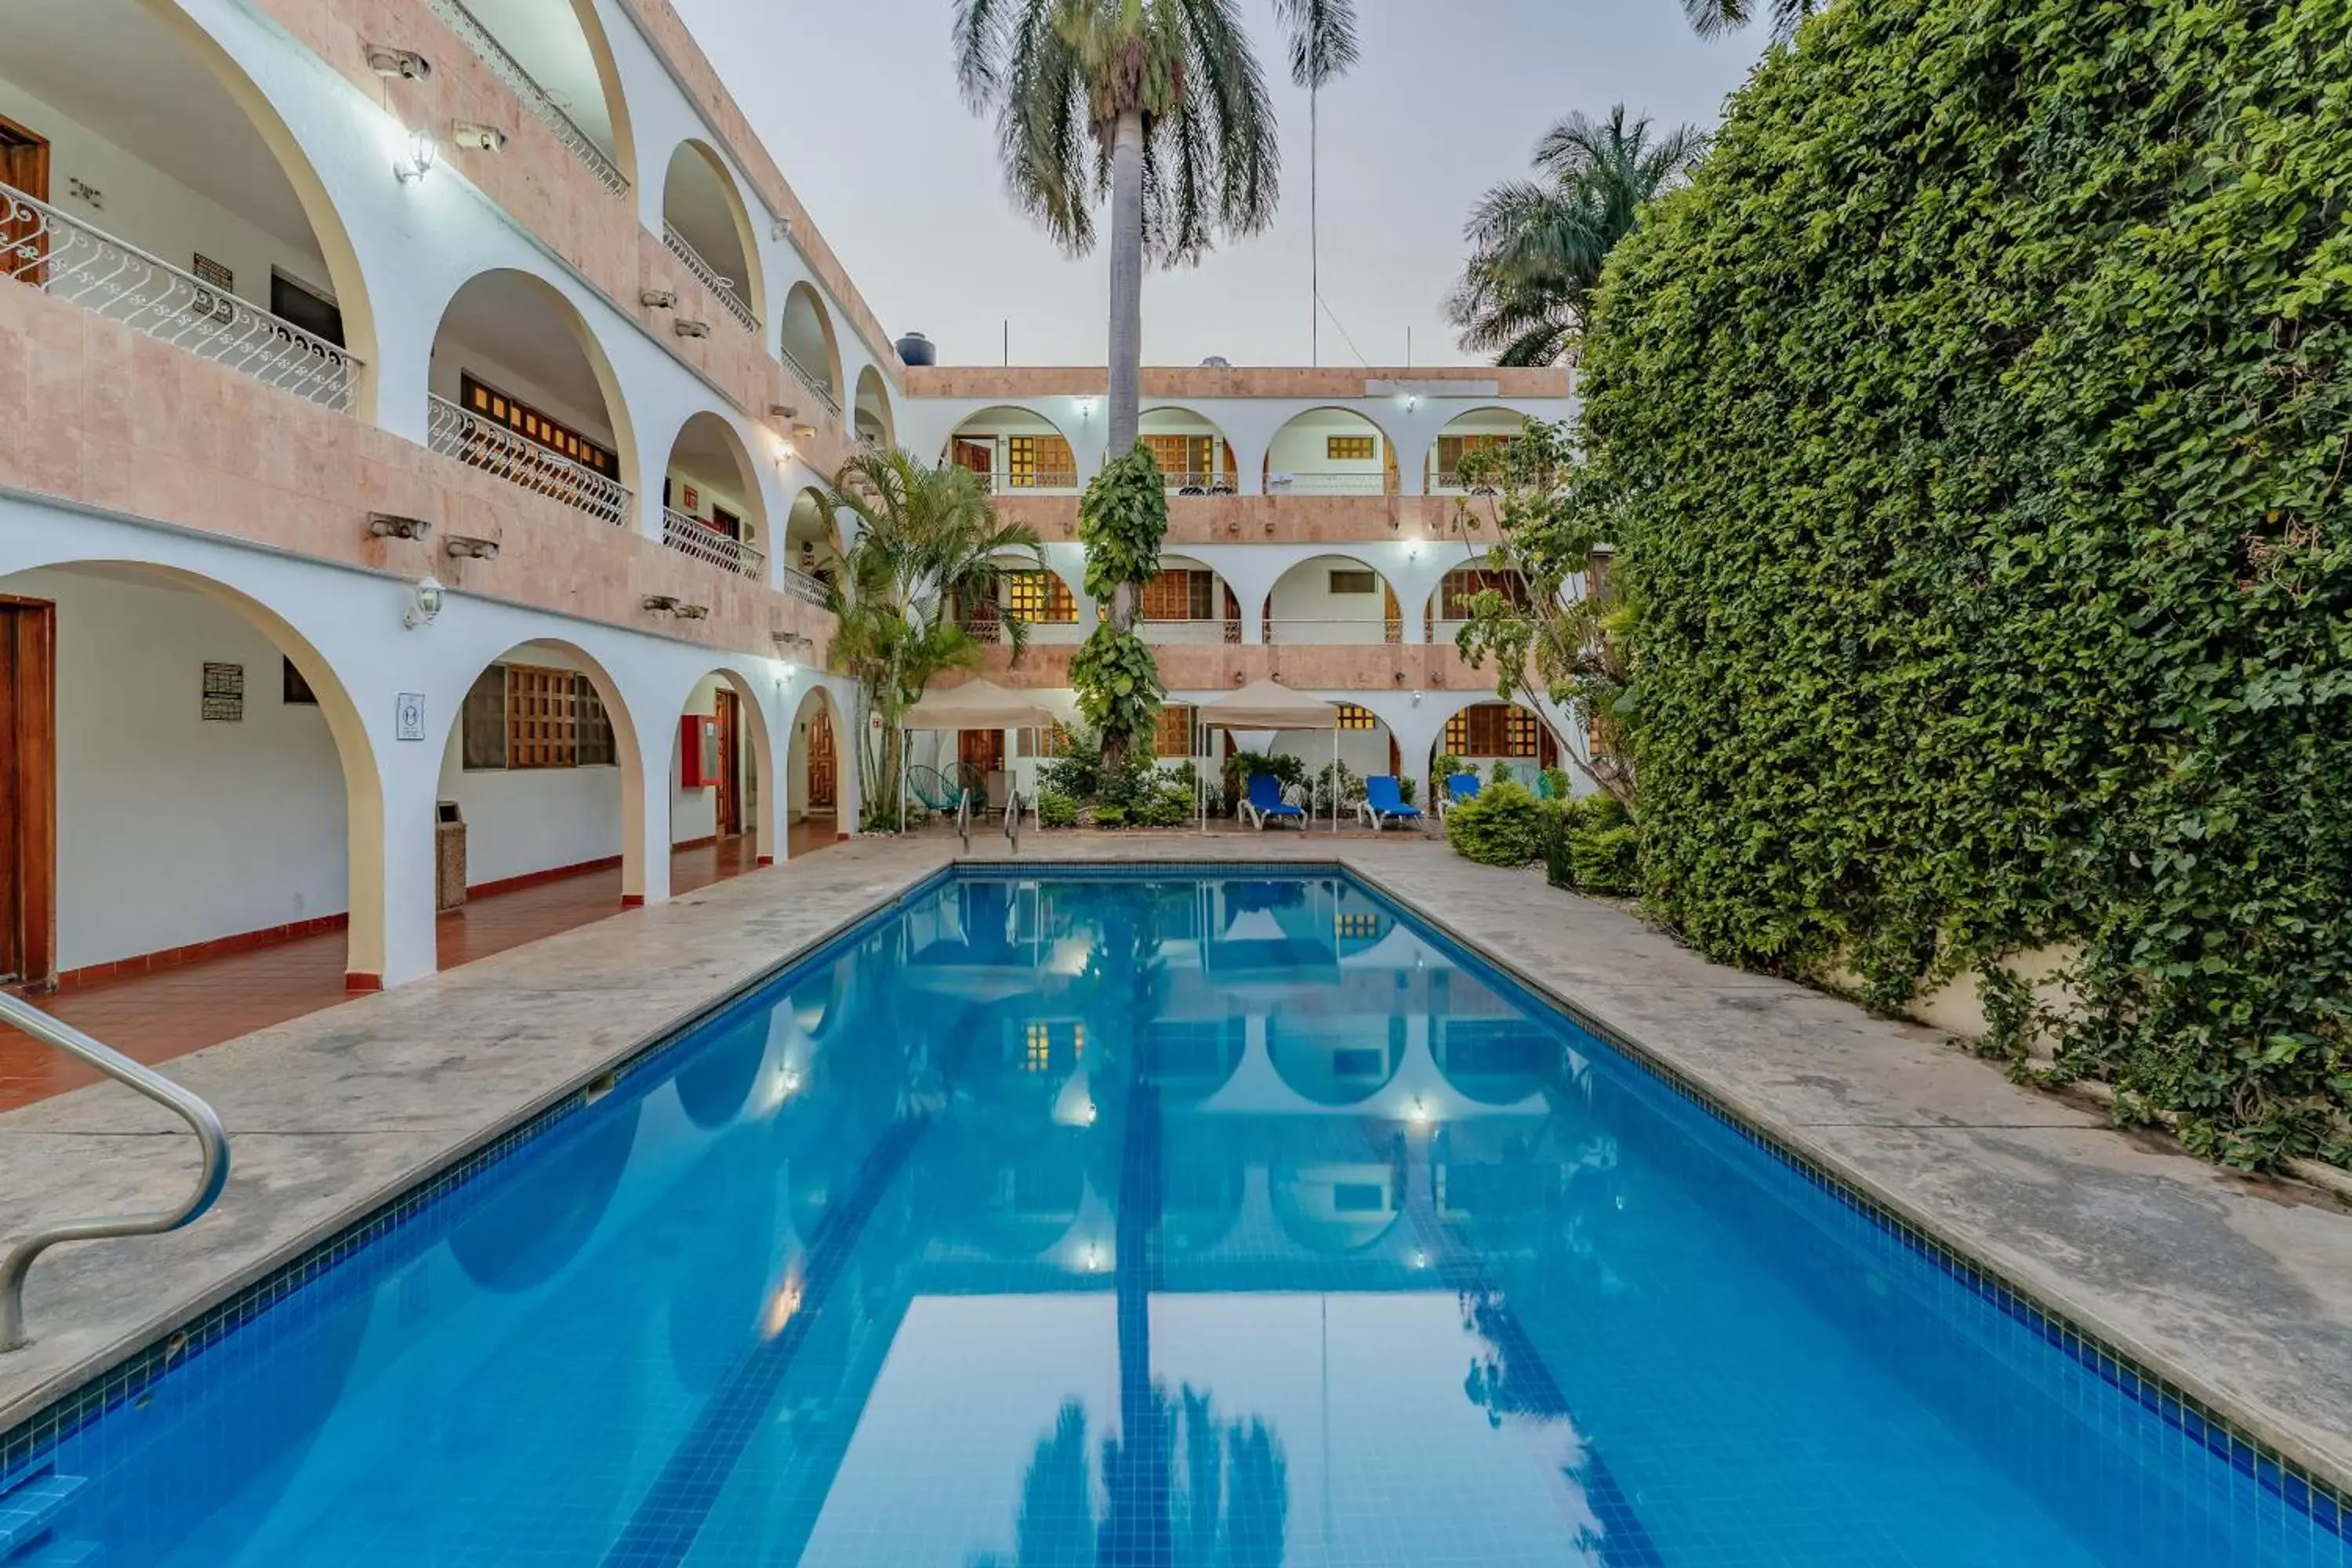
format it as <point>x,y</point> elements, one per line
<point>693,498</point>
<point>408,716</point>
<point>223,694</point>
<point>213,274</point>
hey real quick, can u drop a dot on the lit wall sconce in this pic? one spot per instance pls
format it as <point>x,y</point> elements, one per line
<point>392,525</point>
<point>690,329</point>
<point>658,299</point>
<point>1086,407</point>
<point>659,604</point>
<point>780,411</point>
<point>789,643</point>
<point>804,432</point>
<point>424,603</point>
<point>415,159</point>
<point>461,548</point>
<point>1416,699</point>
<point>479,138</point>
<point>405,64</point>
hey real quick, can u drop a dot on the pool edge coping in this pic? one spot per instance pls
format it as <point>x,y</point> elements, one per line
<point>87,1388</point>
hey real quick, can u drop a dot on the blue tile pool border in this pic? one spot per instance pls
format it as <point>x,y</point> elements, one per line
<point>2298,1487</point>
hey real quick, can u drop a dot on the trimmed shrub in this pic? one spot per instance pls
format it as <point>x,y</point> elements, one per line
<point>1502,825</point>
<point>1606,861</point>
<point>1972,432</point>
<point>1055,809</point>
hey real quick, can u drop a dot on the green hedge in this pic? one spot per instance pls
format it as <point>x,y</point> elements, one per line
<point>1976,431</point>
<point>1502,824</point>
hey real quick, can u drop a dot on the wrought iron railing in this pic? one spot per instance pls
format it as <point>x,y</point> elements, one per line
<point>1450,482</point>
<point>63,256</point>
<point>1306,629</point>
<point>1005,481</point>
<point>1200,484</point>
<point>1190,631</point>
<point>814,383</point>
<point>801,586</point>
<point>455,432</point>
<point>535,98</point>
<point>690,534</point>
<point>724,288</point>
<point>1316,483</point>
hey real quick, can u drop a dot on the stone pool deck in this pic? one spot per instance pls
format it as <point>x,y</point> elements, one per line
<point>2238,1290</point>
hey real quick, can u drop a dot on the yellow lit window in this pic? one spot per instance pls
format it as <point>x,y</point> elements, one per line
<point>1354,718</point>
<point>1351,449</point>
<point>1040,1053</point>
<point>1041,598</point>
<point>1358,923</point>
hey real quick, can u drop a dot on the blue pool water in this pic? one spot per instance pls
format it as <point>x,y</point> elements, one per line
<point>1219,1223</point>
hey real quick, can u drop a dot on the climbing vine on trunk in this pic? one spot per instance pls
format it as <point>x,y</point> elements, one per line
<point>1121,520</point>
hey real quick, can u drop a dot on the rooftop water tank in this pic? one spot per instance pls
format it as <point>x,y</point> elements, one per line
<point>915,349</point>
<point>1216,362</point>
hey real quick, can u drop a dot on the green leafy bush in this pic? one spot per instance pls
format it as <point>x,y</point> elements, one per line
<point>1110,816</point>
<point>1055,809</point>
<point>1118,684</point>
<point>1241,766</point>
<point>1972,432</point>
<point>1607,861</point>
<point>1502,825</point>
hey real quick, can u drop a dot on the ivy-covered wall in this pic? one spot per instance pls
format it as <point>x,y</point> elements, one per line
<point>1976,431</point>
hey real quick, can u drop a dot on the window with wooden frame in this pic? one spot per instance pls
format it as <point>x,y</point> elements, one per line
<point>1035,461</point>
<point>543,718</point>
<point>1354,718</point>
<point>1181,593</point>
<point>1353,580</point>
<point>597,748</point>
<point>1452,450</point>
<point>1462,587</point>
<point>1351,449</point>
<point>1041,598</point>
<point>1184,459</point>
<point>489,403</point>
<point>1493,729</point>
<point>482,722</point>
<point>1174,736</point>
<point>1053,741</point>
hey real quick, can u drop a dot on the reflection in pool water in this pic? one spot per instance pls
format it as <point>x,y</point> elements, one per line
<point>1220,1223</point>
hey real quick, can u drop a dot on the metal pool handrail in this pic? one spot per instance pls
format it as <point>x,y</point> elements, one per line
<point>963,819</point>
<point>200,1117</point>
<point>1013,819</point>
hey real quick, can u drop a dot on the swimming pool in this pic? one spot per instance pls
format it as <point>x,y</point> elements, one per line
<point>1155,1218</point>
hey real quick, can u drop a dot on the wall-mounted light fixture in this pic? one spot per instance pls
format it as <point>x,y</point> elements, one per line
<point>479,138</point>
<point>424,602</point>
<point>392,525</point>
<point>404,64</point>
<point>658,299</point>
<point>462,548</point>
<point>690,329</point>
<point>1086,407</point>
<point>659,604</point>
<point>416,159</point>
<point>691,612</point>
<point>780,230</point>
<point>780,411</point>
<point>804,432</point>
<point>788,643</point>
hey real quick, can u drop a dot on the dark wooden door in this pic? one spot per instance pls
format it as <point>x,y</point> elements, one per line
<point>820,765</point>
<point>23,165</point>
<point>731,768</point>
<point>28,793</point>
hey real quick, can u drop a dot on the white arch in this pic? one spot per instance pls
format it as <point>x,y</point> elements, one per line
<point>806,333</point>
<point>691,158</point>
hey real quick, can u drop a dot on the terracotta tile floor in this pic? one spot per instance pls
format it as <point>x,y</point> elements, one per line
<point>166,1013</point>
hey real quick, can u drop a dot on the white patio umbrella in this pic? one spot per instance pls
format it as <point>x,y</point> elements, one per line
<point>1270,705</point>
<point>974,705</point>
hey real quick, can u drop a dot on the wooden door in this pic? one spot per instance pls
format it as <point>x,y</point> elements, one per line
<point>821,763</point>
<point>730,766</point>
<point>28,793</point>
<point>981,749</point>
<point>25,166</point>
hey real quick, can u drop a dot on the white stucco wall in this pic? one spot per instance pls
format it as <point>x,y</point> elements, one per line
<point>172,830</point>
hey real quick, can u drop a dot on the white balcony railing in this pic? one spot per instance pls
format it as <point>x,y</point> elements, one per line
<point>1005,482</point>
<point>802,587</point>
<point>1042,633</point>
<point>724,288</point>
<point>1313,483</point>
<point>455,432</point>
<point>62,255</point>
<point>816,384</point>
<point>1295,630</point>
<point>534,97</point>
<point>690,535</point>
<point>1201,484</point>
<point>1449,483</point>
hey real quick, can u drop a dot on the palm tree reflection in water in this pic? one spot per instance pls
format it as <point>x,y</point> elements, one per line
<point>1220,1492</point>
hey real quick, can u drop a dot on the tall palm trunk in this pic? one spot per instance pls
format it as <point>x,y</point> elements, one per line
<point>1126,310</point>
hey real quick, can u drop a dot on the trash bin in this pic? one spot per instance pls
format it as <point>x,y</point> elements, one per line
<point>450,859</point>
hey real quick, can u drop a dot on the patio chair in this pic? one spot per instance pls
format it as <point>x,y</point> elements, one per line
<point>1384,802</point>
<point>934,789</point>
<point>1264,804</point>
<point>1459,788</point>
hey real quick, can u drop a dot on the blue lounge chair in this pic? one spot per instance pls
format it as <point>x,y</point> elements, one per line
<point>1383,802</point>
<point>1458,788</point>
<point>1264,803</point>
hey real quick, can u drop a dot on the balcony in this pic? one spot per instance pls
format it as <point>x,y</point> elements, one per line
<point>1037,481</point>
<point>494,448</point>
<point>812,382</point>
<point>988,632</point>
<point>800,585</point>
<point>1189,484</point>
<point>694,537</point>
<point>721,289</point>
<point>535,98</point>
<point>1312,631</point>
<point>1190,633</point>
<point>1328,482</point>
<point>62,255</point>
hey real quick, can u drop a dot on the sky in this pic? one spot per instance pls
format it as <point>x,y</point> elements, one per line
<point>857,101</point>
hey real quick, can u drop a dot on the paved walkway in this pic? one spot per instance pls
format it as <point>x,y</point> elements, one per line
<point>166,1013</point>
<point>2237,1289</point>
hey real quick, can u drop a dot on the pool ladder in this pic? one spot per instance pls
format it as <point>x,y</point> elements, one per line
<point>199,1116</point>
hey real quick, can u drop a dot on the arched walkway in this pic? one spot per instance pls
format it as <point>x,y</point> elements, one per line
<point>225,178</point>
<point>874,420</point>
<point>707,227</point>
<point>173,822</point>
<point>723,807</point>
<point>1014,450</point>
<point>521,389</point>
<point>811,351</point>
<point>1451,603</point>
<point>1191,451</point>
<point>820,775</point>
<point>1483,732</point>
<point>1331,452</point>
<point>711,506</point>
<point>1188,602</point>
<point>1333,599</point>
<point>812,541</point>
<point>1477,430</point>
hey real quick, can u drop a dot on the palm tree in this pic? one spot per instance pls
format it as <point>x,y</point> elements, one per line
<point>927,547</point>
<point>1713,18</point>
<point>1158,103</point>
<point>1536,245</point>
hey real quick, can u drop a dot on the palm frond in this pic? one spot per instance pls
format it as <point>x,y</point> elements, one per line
<point>1322,38</point>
